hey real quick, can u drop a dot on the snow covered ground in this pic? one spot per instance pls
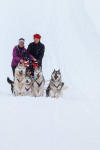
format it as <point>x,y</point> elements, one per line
<point>70,30</point>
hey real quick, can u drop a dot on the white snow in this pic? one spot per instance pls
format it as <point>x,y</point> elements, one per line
<point>70,30</point>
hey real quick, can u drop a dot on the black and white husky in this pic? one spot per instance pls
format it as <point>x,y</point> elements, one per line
<point>38,83</point>
<point>54,89</point>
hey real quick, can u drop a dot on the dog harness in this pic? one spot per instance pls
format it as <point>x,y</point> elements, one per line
<point>39,84</point>
<point>57,87</point>
<point>18,80</point>
<point>27,89</point>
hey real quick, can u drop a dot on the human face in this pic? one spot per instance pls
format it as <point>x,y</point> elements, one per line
<point>21,44</point>
<point>36,40</point>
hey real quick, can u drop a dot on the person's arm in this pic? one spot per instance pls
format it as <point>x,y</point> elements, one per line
<point>28,52</point>
<point>15,56</point>
<point>24,54</point>
<point>41,54</point>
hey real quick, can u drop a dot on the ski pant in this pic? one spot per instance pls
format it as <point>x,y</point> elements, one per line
<point>13,70</point>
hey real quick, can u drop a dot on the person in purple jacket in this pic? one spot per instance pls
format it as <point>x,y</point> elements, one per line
<point>19,53</point>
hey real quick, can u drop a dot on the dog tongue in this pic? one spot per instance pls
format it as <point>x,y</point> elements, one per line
<point>26,81</point>
<point>56,76</point>
<point>20,73</point>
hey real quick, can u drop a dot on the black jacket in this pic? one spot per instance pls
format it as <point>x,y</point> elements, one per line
<point>36,50</point>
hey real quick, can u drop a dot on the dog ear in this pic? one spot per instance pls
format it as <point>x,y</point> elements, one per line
<point>54,70</point>
<point>59,71</point>
<point>40,68</point>
<point>18,64</point>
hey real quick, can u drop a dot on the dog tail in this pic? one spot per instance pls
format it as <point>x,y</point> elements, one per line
<point>65,88</point>
<point>11,83</point>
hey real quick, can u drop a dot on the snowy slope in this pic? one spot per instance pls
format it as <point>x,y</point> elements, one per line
<point>70,30</point>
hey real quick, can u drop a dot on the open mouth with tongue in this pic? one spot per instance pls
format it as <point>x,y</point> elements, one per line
<point>27,81</point>
<point>21,73</point>
<point>55,76</point>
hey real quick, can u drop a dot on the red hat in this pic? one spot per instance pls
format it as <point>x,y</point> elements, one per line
<point>37,36</point>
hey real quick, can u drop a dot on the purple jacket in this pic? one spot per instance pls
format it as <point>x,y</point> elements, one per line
<point>17,55</point>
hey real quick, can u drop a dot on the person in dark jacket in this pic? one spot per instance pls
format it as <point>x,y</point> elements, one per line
<point>36,49</point>
<point>19,53</point>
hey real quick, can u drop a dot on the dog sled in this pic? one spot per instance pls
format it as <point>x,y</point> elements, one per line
<point>35,84</point>
<point>31,63</point>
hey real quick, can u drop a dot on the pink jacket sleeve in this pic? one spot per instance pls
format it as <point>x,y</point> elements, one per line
<point>16,58</point>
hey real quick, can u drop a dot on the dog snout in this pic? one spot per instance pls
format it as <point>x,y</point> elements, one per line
<point>56,76</point>
<point>21,72</point>
<point>26,81</point>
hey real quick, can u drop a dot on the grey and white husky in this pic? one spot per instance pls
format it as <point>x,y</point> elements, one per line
<point>18,84</point>
<point>27,88</point>
<point>38,83</point>
<point>19,81</point>
<point>54,89</point>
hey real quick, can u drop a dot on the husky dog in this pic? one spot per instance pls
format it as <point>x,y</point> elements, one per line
<point>54,89</point>
<point>27,88</point>
<point>19,80</point>
<point>38,83</point>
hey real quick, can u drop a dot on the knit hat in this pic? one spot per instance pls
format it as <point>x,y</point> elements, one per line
<point>37,36</point>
